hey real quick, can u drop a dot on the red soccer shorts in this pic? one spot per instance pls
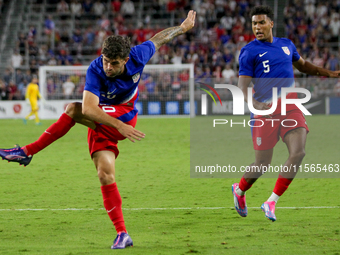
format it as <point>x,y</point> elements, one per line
<point>266,136</point>
<point>105,137</point>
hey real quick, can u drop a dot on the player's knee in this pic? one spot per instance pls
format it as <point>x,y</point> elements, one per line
<point>73,110</point>
<point>298,155</point>
<point>262,162</point>
<point>105,178</point>
<point>302,154</point>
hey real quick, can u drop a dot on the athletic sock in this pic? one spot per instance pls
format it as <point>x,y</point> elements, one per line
<point>54,132</point>
<point>281,185</point>
<point>113,206</point>
<point>273,197</point>
<point>243,186</point>
<point>239,191</point>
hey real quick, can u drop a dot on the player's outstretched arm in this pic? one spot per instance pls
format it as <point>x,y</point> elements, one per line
<point>311,69</point>
<point>170,33</point>
<point>92,112</point>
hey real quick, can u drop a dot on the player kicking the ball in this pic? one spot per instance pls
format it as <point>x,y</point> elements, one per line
<point>108,110</point>
<point>268,61</point>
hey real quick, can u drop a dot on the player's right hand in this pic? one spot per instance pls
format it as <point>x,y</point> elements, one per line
<point>261,106</point>
<point>334,74</point>
<point>130,132</point>
<point>27,101</point>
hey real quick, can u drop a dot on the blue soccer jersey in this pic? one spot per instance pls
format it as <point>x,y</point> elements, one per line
<point>270,65</point>
<point>120,89</point>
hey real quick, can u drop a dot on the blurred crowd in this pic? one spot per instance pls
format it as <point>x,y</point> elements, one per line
<point>1,6</point>
<point>223,28</point>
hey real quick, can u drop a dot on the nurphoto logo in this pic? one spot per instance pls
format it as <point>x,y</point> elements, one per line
<point>238,99</point>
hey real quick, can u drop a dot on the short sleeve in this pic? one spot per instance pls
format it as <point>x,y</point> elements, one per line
<point>246,63</point>
<point>296,55</point>
<point>143,52</point>
<point>93,81</point>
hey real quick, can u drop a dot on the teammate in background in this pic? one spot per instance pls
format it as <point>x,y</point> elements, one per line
<point>108,110</point>
<point>32,96</point>
<point>268,62</point>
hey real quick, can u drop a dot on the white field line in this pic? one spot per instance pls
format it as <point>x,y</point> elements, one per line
<point>159,209</point>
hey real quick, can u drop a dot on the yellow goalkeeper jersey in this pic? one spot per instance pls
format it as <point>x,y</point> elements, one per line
<point>32,92</point>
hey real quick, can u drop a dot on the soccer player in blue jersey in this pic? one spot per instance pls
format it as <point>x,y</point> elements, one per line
<point>108,110</point>
<point>268,62</point>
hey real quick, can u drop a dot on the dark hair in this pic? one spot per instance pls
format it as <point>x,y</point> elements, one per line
<point>116,46</point>
<point>262,10</point>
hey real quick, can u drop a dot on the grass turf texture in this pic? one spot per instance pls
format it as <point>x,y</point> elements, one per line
<point>154,173</point>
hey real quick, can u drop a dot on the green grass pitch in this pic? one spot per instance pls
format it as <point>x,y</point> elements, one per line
<point>154,173</point>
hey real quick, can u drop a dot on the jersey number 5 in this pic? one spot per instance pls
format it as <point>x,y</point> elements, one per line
<point>266,66</point>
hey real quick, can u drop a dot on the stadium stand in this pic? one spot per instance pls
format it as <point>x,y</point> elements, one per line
<point>70,32</point>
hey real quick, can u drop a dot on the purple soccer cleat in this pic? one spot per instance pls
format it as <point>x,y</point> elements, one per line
<point>239,202</point>
<point>15,154</point>
<point>122,241</point>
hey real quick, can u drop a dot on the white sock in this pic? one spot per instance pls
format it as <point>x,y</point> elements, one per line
<point>239,191</point>
<point>273,197</point>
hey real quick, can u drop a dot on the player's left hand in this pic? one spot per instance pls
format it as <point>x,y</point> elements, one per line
<point>130,132</point>
<point>189,22</point>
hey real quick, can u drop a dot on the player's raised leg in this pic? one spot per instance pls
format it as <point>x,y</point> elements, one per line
<point>262,158</point>
<point>105,165</point>
<point>23,155</point>
<point>295,141</point>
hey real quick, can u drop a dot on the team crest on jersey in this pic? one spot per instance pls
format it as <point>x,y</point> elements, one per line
<point>286,50</point>
<point>258,141</point>
<point>136,77</point>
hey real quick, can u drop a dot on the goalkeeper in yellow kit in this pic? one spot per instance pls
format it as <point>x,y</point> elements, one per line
<point>32,95</point>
